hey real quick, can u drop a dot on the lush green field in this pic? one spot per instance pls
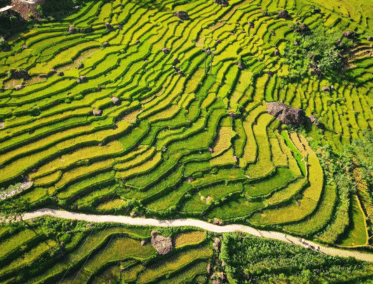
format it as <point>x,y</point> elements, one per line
<point>194,143</point>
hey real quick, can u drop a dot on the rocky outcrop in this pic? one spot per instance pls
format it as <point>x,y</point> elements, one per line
<point>223,3</point>
<point>115,100</point>
<point>19,74</point>
<point>283,14</point>
<point>349,34</point>
<point>287,114</point>
<point>97,112</point>
<point>216,244</point>
<point>109,26</point>
<point>303,28</point>
<point>166,50</point>
<point>71,29</point>
<point>163,245</point>
<point>27,8</point>
<point>182,15</point>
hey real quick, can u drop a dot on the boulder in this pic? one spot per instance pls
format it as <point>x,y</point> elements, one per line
<point>166,50</point>
<point>296,43</point>
<point>60,74</point>
<point>163,245</point>
<point>223,3</point>
<point>283,14</point>
<point>286,114</point>
<point>325,89</point>
<point>24,46</point>
<point>72,29</point>
<point>106,44</point>
<point>251,25</point>
<point>270,73</point>
<point>181,73</point>
<point>349,34</point>
<point>217,221</point>
<point>19,87</point>
<point>80,66</point>
<point>182,15</point>
<point>19,74</point>
<point>303,28</point>
<point>176,61</point>
<point>109,26</point>
<point>276,53</point>
<point>208,268</point>
<point>137,42</point>
<point>369,38</point>
<point>83,79</point>
<point>143,243</point>
<point>133,214</point>
<point>241,66</point>
<point>216,244</point>
<point>316,10</point>
<point>97,112</point>
<point>120,27</point>
<point>115,100</point>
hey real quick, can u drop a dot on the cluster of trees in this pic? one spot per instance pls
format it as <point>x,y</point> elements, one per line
<point>254,260</point>
<point>321,49</point>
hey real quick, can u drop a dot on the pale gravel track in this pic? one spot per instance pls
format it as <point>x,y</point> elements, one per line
<point>194,223</point>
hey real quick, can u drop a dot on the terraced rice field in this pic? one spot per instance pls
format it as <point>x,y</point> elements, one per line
<point>194,143</point>
<point>89,253</point>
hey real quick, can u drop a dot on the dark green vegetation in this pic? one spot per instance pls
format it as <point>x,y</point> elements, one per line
<point>320,52</point>
<point>253,260</point>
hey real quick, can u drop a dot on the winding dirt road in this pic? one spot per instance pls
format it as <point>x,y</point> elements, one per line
<point>195,223</point>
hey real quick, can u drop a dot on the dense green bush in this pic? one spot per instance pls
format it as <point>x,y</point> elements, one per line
<point>320,50</point>
<point>253,260</point>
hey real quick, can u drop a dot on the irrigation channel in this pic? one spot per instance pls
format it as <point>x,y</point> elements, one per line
<point>199,224</point>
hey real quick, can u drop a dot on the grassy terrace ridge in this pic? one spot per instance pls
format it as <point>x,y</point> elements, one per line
<point>127,108</point>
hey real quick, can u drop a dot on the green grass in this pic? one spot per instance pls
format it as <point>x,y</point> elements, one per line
<point>356,234</point>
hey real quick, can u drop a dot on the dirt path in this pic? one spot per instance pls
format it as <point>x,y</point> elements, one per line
<point>196,223</point>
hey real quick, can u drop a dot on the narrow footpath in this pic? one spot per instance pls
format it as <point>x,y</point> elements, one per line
<point>199,224</point>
